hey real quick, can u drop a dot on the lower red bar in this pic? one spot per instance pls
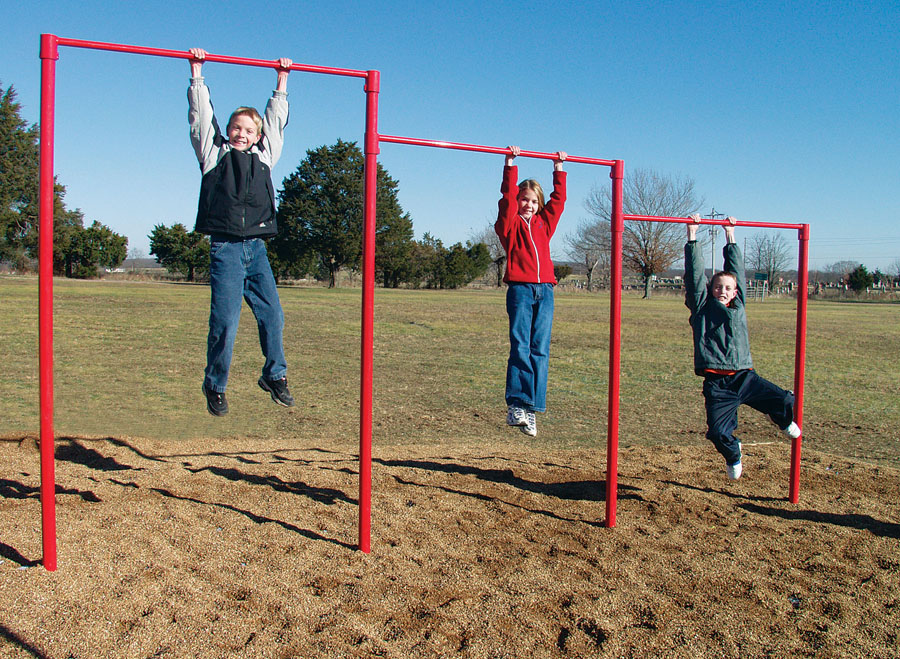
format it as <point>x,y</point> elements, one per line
<point>687,220</point>
<point>414,141</point>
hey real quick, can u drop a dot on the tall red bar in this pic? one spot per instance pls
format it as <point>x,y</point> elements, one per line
<point>223,59</point>
<point>799,359</point>
<point>373,85</point>
<point>617,227</point>
<point>460,146</point>
<point>49,55</point>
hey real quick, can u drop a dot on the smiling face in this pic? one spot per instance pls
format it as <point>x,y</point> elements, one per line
<point>724,288</point>
<point>530,198</point>
<point>243,132</point>
<point>528,203</point>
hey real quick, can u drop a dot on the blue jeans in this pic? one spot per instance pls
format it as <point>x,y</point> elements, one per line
<point>724,394</point>
<point>530,310</point>
<point>240,268</point>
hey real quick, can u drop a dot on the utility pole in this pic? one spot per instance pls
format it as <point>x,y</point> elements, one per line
<point>713,230</point>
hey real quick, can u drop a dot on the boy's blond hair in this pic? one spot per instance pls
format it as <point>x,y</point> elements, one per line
<point>531,184</point>
<point>723,273</point>
<point>247,112</point>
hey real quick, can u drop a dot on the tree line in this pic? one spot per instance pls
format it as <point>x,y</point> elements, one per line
<point>652,248</point>
<point>78,250</point>
<point>320,217</point>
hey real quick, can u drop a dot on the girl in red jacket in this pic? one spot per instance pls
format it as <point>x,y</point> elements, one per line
<point>525,225</point>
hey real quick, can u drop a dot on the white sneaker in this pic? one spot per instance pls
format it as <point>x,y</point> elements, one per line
<point>516,416</point>
<point>530,427</point>
<point>793,430</point>
<point>734,471</point>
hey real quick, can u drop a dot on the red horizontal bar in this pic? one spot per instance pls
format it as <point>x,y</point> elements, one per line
<point>687,220</point>
<point>224,59</point>
<point>490,149</point>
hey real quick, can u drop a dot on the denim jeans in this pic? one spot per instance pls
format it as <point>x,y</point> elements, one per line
<point>724,394</point>
<point>240,269</point>
<point>530,310</point>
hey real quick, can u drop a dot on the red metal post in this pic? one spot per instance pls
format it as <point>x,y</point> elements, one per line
<point>617,227</point>
<point>373,85</point>
<point>799,359</point>
<point>49,55</point>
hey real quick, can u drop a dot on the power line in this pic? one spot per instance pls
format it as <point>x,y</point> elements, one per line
<point>712,236</point>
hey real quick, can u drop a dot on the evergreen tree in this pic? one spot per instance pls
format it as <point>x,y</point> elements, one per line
<point>180,250</point>
<point>860,279</point>
<point>320,213</point>
<point>18,179</point>
<point>393,235</point>
<point>454,267</point>
<point>77,252</point>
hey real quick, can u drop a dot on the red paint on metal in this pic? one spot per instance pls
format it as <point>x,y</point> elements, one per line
<point>368,312</point>
<point>800,339</point>
<point>799,359</point>
<point>414,141</point>
<point>617,228</point>
<point>687,220</point>
<point>49,55</point>
<point>616,174</point>
<point>223,59</point>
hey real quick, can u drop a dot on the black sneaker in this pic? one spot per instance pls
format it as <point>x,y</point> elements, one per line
<point>279,391</point>
<point>215,402</point>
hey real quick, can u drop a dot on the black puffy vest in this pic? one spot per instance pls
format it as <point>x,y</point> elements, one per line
<point>237,198</point>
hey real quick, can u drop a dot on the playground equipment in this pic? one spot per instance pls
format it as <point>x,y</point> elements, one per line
<point>49,54</point>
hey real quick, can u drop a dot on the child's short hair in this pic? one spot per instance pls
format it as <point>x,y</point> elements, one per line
<point>723,273</point>
<point>531,184</point>
<point>247,112</point>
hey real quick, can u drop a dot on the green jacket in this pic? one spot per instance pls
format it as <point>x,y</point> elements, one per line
<point>721,339</point>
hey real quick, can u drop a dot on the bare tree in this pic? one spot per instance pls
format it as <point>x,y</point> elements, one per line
<point>840,270</point>
<point>894,269</point>
<point>649,247</point>
<point>498,255</point>
<point>590,247</point>
<point>135,254</point>
<point>769,253</point>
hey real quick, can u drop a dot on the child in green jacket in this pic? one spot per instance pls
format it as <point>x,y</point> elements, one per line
<point>722,350</point>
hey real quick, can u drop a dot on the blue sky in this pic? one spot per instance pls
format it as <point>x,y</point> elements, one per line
<point>780,111</point>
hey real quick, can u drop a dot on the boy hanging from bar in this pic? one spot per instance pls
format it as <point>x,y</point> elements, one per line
<point>722,349</point>
<point>237,211</point>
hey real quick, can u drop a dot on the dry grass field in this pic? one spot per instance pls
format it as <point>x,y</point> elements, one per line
<point>181,535</point>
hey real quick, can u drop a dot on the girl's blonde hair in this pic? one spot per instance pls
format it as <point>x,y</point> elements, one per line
<point>247,112</point>
<point>531,184</point>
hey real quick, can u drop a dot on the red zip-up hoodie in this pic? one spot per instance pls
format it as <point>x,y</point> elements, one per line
<point>527,244</point>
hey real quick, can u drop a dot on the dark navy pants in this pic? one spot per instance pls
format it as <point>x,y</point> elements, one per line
<point>724,394</point>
